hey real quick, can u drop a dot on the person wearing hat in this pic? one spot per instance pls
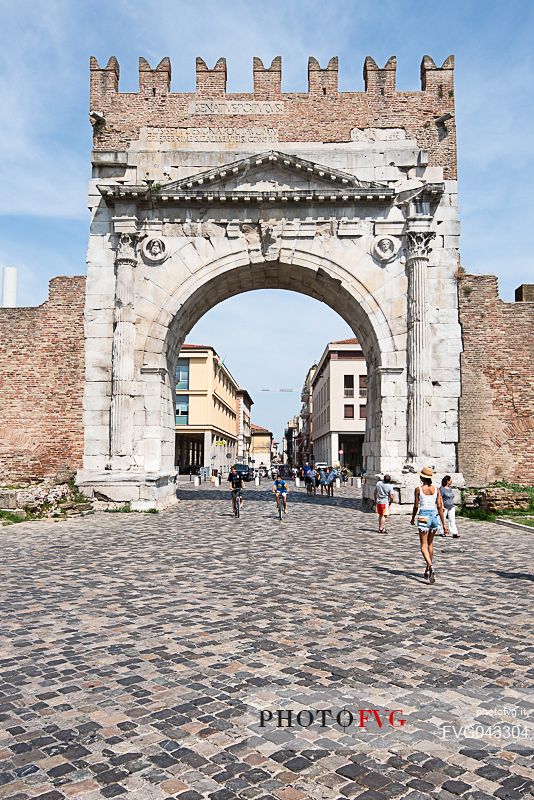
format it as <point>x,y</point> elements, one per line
<point>428,508</point>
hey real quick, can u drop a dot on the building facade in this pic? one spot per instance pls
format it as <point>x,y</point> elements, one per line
<point>244,432</point>
<point>206,406</point>
<point>304,450</point>
<point>339,405</point>
<point>262,443</point>
<point>290,436</point>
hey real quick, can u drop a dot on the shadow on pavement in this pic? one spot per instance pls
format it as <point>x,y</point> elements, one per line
<point>410,575</point>
<point>520,576</point>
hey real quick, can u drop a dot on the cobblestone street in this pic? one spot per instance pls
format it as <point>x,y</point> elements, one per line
<point>139,650</point>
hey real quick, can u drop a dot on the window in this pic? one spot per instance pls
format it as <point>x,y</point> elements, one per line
<point>182,374</point>
<point>348,411</point>
<point>363,412</point>
<point>363,385</point>
<point>348,386</point>
<point>182,410</point>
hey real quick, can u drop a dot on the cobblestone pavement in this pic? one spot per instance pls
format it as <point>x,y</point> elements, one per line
<point>140,654</point>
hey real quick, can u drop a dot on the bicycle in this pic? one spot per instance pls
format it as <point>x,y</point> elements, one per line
<point>236,496</point>
<point>280,505</point>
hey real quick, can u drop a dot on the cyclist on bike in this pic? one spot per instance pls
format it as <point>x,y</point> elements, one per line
<point>236,487</point>
<point>280,488</point>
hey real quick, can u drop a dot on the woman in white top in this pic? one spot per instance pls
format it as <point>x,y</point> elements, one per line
<point>428,508</point>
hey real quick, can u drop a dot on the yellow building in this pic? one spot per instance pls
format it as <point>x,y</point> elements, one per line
<point>207,411</point>
<point>262,440</point>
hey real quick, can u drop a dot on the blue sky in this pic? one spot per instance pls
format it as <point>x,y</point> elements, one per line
<point>45,136</point>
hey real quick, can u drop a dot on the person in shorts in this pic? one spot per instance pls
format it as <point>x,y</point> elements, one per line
<point>280,488</point>
<point>428,509</point>
<point>236,487</point>
<point>384,497</point>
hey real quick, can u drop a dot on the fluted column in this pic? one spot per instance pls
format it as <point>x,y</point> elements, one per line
<point>122,408</point>
<point>419,427</point>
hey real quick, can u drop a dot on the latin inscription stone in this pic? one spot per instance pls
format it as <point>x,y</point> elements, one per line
<point>377,134</point>
<point>207,134</point>
<point>236,107</point>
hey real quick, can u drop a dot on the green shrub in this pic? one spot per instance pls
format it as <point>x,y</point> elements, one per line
<point>11,517</point>
<point>477,513</point>
<point>124,509</point>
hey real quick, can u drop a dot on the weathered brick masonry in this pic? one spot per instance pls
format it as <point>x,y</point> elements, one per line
<point>41,384</point>
<point>323,114</point>
<point>497,401</point>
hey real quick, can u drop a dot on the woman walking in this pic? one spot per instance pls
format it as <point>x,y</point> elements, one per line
<point>428,508</point>
<point>447,495</point>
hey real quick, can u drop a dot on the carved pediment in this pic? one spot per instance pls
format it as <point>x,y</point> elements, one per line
<point>267,177</point>
<point>270,171</point>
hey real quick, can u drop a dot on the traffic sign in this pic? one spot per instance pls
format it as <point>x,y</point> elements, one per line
<point>228,455</point>
<point>340,452</point>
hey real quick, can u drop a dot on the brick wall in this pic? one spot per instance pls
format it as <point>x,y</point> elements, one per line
<point>497,401</point>
<point>41,384</point>
<point>323,114</point>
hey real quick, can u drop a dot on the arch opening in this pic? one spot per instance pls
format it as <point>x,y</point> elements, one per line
<point>358,308</point>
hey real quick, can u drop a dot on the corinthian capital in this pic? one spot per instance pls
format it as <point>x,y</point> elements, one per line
<point>418,243</point>
<point>126,249</point>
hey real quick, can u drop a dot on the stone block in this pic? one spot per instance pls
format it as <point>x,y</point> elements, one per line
<point>100,281</point>
<point>97,402</point>
<point>96,418</point>
<point>99,330</point>
<point>93,388</point>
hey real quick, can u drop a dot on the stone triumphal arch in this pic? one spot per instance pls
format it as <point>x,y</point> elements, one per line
<point>347,197</point>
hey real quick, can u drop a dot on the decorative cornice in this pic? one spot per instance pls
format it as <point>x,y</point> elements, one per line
<point>232,196</point>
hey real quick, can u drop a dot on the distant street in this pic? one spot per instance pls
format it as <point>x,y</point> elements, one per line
<point>141,652</point>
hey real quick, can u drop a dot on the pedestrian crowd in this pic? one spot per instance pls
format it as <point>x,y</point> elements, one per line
<point>433,512</point>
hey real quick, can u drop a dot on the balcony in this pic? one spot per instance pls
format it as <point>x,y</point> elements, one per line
<point>348,392</point>
<point>363,392</point>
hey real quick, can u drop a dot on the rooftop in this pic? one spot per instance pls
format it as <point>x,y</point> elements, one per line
<point>259,429</point>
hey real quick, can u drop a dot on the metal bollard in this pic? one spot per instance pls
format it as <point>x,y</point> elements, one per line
<point>257,480</point>
<point>196,480</point>
<point>338,483</point>
<point>358,483</point>
<point>297,483</point>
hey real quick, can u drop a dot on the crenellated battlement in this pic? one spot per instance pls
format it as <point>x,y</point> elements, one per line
<point>267,80</point>
<point>323,114</point>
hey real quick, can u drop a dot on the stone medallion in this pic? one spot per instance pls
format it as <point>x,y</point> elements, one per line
<point>384,248</point>
<point>155,251</point>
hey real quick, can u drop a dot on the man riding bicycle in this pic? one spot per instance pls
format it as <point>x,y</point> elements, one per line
<point>280,489</point>
<point>234,478</point>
